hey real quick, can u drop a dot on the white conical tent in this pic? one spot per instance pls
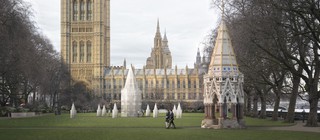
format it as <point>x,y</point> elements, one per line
<point>104,110</point>
<point>115,111</point>
<point>155,111</point>
<point>98,111</point>
<point>130,96</point>
<point>148,111</point>
<point>73,111</point>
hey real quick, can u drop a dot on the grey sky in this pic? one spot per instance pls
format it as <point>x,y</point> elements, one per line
<point>133,26</point>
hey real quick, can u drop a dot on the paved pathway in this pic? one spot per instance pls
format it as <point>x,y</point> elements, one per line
<point>298,127</point>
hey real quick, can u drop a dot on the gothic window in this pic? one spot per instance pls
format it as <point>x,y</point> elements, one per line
<point>172,84</point>
<point>183,84</point>
<point>89,10</point>
<point>75,10</point>
<point>81,51</point>
<point>81,10</point>
<point>89,46</point>
<point>74,51</point>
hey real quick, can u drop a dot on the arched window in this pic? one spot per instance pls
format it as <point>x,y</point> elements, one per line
<point>89,51</point>
<point>74,51</point>
<point>81,10</point>
<point>75,10</point>
<point>89,10</point>
<point>81,51</point>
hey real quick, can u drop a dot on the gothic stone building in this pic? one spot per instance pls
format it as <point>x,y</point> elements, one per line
<point>85,49</point>
<point>158,81</point>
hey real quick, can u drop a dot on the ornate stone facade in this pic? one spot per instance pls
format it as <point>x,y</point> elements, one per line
<point>157,85</point>
<point>85,40</point>
<point>160,55</point>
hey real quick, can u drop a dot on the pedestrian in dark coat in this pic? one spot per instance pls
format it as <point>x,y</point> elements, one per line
<point>171,118</point>
<point>167,118</point>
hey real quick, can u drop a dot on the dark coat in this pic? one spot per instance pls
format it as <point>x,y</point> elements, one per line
<point>171,116</point>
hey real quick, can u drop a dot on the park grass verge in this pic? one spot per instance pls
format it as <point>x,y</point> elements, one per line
<point>88,126</point>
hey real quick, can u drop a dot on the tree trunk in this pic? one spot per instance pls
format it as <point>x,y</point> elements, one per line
<point>255,106</point>
<point>275,113</point>
<point>248,111</point>
<point>313,100</point>
<point>263,106</point>
<point>293,97</point>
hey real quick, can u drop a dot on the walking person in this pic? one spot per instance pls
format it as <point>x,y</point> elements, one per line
<point>167,118</point>
<point>171,118</point>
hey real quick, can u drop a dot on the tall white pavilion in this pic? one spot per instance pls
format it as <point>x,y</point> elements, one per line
<point>130,96</point>
<point>223,92</point>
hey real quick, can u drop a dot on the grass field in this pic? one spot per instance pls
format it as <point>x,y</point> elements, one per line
<point>88,126</point>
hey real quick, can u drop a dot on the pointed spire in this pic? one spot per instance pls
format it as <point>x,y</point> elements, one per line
<point>125,63</point>
<point>165,36</point>
<point>198,58</point>
<point>157,38</point>
<point>198,53</point>
<point>158,26</point>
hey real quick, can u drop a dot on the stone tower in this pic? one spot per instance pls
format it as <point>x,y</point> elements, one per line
<point>85,40</point>
<point>223,90</point>
<point>160,55</point>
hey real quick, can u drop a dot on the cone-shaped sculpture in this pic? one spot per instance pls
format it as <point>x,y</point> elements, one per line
<point>174,109</point>
<point>104,111</point>
<point>155,111</point>
<point>130,96</point>
<point>179,111</point>
<point>98,111</point>
<point>73,111</point>
<point>115,111</point>
<point>148,111</point>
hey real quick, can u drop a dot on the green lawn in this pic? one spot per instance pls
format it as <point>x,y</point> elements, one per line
<point>87,126</point>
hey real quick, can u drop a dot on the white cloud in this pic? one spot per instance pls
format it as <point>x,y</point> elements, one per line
<point>133,26</point>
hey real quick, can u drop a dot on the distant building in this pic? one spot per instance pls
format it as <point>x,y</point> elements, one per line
<point>160,55</point>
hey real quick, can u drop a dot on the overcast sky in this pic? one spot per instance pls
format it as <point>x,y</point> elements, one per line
<point>133,27</point>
